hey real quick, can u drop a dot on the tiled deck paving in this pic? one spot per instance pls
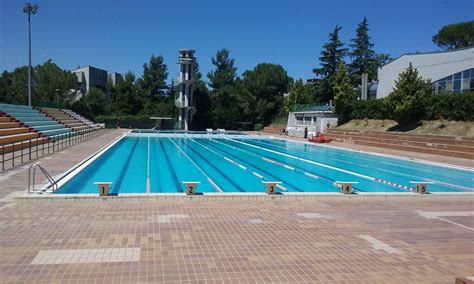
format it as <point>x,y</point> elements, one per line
<point>322,240</point>
<point>346,241</point>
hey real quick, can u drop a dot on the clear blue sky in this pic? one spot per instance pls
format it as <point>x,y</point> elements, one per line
<point>121,35</point>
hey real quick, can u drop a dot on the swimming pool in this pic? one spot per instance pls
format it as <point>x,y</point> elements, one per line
<point>142,163</point>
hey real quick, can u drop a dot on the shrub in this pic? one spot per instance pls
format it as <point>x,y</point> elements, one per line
<point>258,126</point>
<point>450,106</point>
<point>370,109</point>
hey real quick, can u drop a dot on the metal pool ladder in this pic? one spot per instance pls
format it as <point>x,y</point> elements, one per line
<point>31,178</point>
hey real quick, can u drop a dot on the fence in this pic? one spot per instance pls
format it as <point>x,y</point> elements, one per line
<point>18,153</point>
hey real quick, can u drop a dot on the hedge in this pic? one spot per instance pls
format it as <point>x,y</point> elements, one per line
<point>458,107</point>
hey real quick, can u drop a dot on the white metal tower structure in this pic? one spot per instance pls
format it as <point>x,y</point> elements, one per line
<point>185,100</point>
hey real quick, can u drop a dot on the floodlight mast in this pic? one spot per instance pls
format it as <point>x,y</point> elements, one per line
<point>29,9</point>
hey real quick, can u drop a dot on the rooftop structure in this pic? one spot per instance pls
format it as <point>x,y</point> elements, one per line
<point>450,71</point>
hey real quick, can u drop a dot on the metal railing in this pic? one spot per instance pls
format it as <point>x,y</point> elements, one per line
<point>31,178</point>
<point>15,154</point>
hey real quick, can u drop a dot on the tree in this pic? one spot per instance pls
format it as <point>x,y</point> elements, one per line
<point>203,102</point>
<point>408,98</point>
<point>225,73</point>
<point>344,95</point>
<point>332,54</point>
<point>53,84</point>
<point>124,96</point>
<point>14,88</point>
<point>96,101</point>
<point>300,93</point>
<point>263,89</point>
<point>455,36</point>
<point>152,85</point>
<point>362,54</point>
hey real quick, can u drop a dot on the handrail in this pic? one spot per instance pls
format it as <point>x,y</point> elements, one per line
<point>31,178</point>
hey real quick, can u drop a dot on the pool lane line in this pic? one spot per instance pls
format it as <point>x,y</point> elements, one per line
<point>322,165</point>
<point>254,166</point>
<point>148,169</point>
<point>277,163</point>
<point>170,167</point>
<point>384,170</point>
<point>202,172</point>
<point>126,165</point>
<point>298,169</point>
<point>248,152</point>
<point>366,166</point>
<point>231,181</point>
<point>235,163</point>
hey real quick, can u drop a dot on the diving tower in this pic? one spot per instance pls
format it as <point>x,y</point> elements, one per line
<point>185,101</point>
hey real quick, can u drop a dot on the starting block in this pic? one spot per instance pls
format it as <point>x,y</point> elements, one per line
<point>191,186</point>
<point>271,186</point>
<point>104,187</point>
<point>421,186</point>
<point>345,186</point>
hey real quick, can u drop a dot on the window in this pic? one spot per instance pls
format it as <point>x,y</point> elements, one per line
<point>457,76</point>
<point>457,86</point>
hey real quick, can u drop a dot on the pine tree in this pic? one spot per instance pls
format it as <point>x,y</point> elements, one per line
<point>333,53</point>
<point>225,73</point>
<point>344,95</point>
<point>152,84</point>
<point>362,54</point>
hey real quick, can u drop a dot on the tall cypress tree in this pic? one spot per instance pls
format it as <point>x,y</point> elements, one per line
<point>362,54</point>
<point>332,54</point>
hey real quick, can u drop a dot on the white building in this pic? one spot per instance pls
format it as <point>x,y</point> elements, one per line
<point>114,77</point>
<point>450,71</point>
<point>315,118</point>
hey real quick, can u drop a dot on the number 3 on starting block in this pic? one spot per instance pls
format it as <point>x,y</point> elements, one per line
<point>270,186</point>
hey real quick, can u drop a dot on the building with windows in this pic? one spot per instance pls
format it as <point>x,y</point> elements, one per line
<point>450,71</point>
<point>88,77</point>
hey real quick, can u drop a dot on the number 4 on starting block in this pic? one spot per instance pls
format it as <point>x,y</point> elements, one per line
<point>271,186</point>
<point>191,186</point>
<point>345,186</point>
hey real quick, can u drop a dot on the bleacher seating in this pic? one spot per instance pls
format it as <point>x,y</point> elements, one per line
<point>81,118</point>
<point>431,144</point>
<point>32,118</point>
<point>13,132</point>
<point>65,118</point>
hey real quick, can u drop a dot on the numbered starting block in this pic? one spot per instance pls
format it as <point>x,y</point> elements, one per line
<point>345,186</point>
<point>104,187</point>
<point>191,186</point>
<point>421,187</point>
<point>270,186</point>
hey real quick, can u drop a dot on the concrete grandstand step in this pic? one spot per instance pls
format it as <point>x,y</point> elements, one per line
<point>40,123</point>
<point>56,131</point>
<point>47,127</point>
<point>4,125</point>
<point>5,119</point>
<point>435,140</point>
<point>17,137</point>
<point>417,143</point>
<point>11,131</point>
<point>459,154</point>
<point>24,144</point>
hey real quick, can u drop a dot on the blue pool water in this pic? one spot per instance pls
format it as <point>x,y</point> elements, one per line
<point>240,165</point>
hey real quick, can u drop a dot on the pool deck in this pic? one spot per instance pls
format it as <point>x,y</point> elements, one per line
<point>233,240</point>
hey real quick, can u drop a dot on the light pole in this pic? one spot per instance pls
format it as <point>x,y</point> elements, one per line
<point>29,9</point>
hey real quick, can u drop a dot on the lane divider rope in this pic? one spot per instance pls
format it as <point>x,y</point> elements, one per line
<point>322,165</point>
<point>207,177</point>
